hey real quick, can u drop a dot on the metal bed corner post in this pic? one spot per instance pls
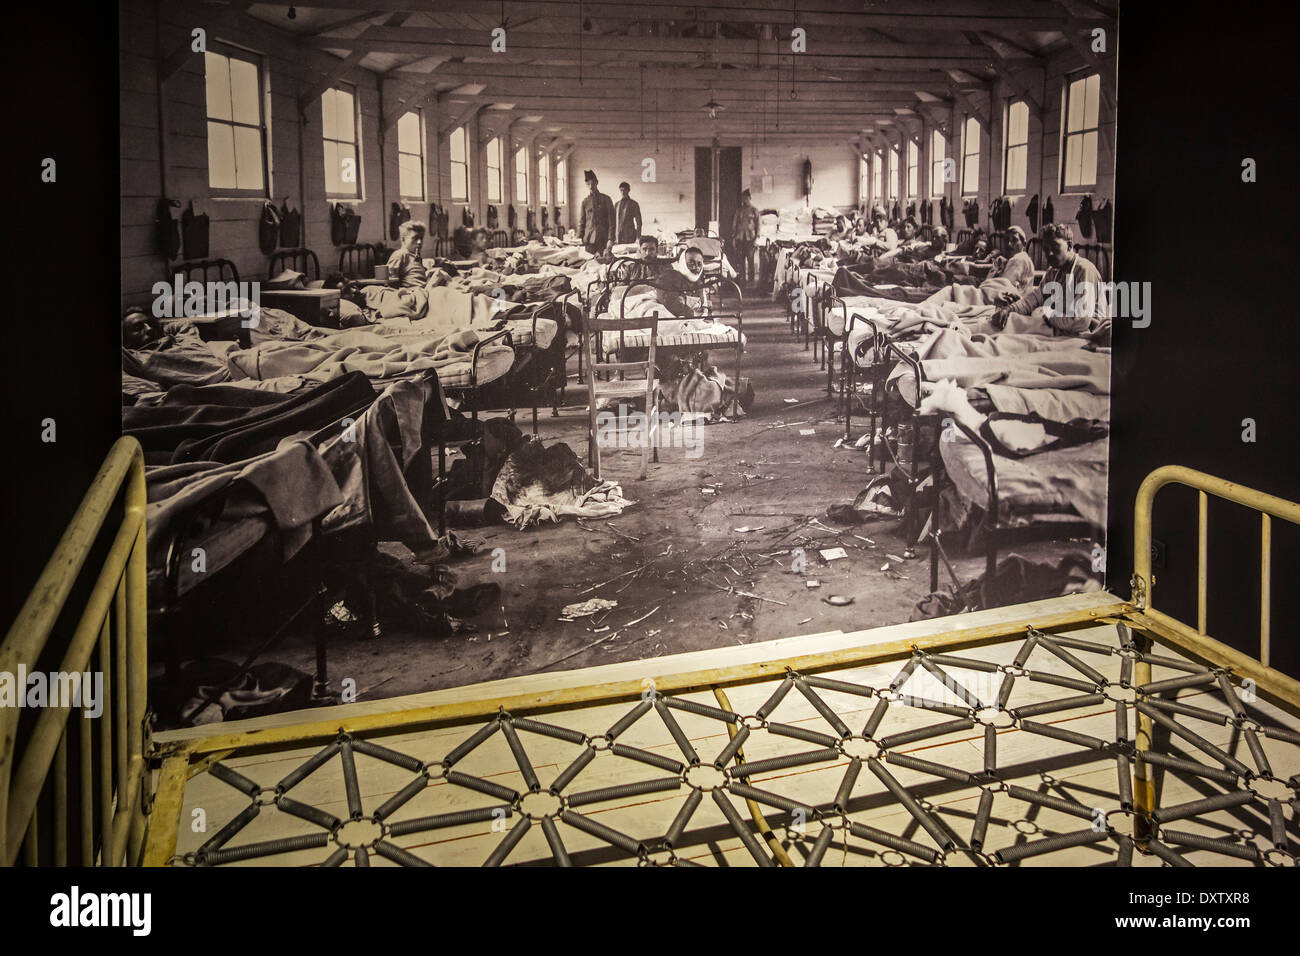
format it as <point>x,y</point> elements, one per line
<point>1282,687</point>
<point>118,597</point>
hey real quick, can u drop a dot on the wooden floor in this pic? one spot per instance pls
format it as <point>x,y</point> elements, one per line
<point>1057,768</point>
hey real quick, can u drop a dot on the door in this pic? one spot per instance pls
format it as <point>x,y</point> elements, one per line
<point>717,187</point>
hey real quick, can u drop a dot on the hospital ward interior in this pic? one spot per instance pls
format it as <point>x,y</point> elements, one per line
<point>564,433</point>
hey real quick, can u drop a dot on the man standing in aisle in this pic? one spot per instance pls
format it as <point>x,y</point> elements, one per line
<point>744,231</point>
<point>627,217</point>
<point>597,224</point>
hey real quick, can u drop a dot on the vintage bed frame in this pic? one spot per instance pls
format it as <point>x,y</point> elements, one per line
<point>122,816</point>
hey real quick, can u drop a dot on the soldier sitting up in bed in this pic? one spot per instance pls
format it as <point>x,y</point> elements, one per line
<point>1071,299</point>
<point>681,281</point>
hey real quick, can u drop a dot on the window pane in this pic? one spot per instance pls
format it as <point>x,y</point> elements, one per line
<point>494,186</point>
<point>333,176</point>
<point>911,181</point>
<point>217,70</point>
<point>1074,120</point>
<point>1088,161</point>
<point>409,180</point>
<point>1092,89</point>
<point>458,145</point>
<point>244,92</point>
<point>248,157</point>
<point>1073,155</point>
<point>408,134</point>
<point>971,174</point>
<point>459,186</point>
<point>329,125</point>
<point>345,116</point>
<point>221,156</point>
<point>1018,124</point>
<point>1016,173</point>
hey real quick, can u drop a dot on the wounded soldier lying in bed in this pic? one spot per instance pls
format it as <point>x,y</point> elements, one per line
<point>1070,301</point>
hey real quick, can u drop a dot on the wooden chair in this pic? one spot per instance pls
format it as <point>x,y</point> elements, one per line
<point>622,387</point>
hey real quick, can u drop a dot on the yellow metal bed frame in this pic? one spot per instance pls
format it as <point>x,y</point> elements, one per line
<point>180,761</point>
<point>110,770</point>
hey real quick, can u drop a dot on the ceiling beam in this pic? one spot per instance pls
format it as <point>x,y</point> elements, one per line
<point>345,66</point>
<point>212,22</point>
<point>461,118</point>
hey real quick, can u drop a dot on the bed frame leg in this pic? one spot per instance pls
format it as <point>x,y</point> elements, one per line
<point>848,374</point>
<point>1144,784</point>
<point>320,685</point>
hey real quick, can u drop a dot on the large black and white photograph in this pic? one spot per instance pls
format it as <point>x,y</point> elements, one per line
<point>565,432</point>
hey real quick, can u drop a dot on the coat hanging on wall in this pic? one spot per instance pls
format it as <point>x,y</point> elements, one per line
<point>1032,212</point>
<point>546,217</point>
<point>530,222</point>
<point>268,229</point>
<point>438,220</point>
<point>194,231</point>
<point>1049,214</point>
<point>492,217</point>
<point>166,230</point>
<point>1103,218</point>
<point>1084,217</point>
<point>399,214</point>
<point>807,179</point>
<point>511,216</point>
<point>466,217</point>
<point>344,225</point>
<point>290,226</point>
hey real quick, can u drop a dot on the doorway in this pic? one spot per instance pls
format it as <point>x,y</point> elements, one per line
<point>717,187</point>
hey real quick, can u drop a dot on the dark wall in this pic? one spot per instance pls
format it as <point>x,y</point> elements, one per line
<point>1225,330</point>
<point>61,326</point>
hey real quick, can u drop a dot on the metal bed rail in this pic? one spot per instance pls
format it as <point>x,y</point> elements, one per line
<point>104,758</point>
<point>1143,583</point>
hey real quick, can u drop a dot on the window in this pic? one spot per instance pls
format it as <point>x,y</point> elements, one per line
<point>236,128</point>
<point>544,178</point>
<point>494,170</point>
<point>410,155</point>
<point>938,155</point>
<point>561,182</point>
<point>864,180</point>
<point>1016,165</point>
<point>1079,170</point>
<point>970,166</point>
<point>521,176</point>
<point>875,177</point>
<point>913,169</point>
<point>339,130</point>
<point>459,165</point>
<point>892,188</point>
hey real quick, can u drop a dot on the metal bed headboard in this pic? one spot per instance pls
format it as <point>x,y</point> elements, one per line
<point>357,261</point>
<point>204,266</point>
<point>297,259</point>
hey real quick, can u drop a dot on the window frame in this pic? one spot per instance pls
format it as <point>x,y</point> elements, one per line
<point>877,177</point>
<point>913,170</point>
<point>543,179</point>
<point>562,182</point>
<point>463,162</point>
<point>894,181</point>
<point>1008,146</point>
<point>498,180</point>
<point>938,188</point>
<point>357,195</point>
<point>967,154</point>
<point>521,176</point>
<point>1081,76</point>
<point>258,61</point>
<point>420,137</point>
